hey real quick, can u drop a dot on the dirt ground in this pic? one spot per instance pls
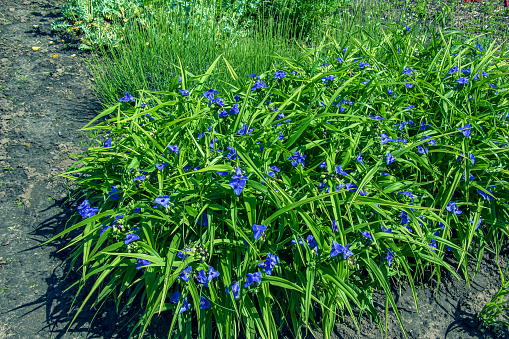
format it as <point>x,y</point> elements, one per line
<point>45,97</point>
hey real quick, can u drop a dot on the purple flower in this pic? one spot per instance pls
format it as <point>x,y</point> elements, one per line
<point>184,92</point>
<point>85,211</point>
<point>359,159</point>
<point>185,274</point>
<point>174,148</point>
<point>466,130</point>
<point>472,158</point>
<point>219,102</point>
<point>107,143</point>
<point>275,168</point>
<point>269,263</point>
<point>253,277</point>
<point>390,158</point>
<point>205,279</point>
<point>297,158</point>
<point>235,290</point>
<point>223,114</point>
<point>127,98</point>
<point>142,262</point>
<point>257,230</point>
<point>409,85</point>
<point>130,237</point>
<point>407,71</point>
<point>160,167</point>
<point>238,181</point>
<point>183,255</point>
<point>163,201</point>
<point>390,91</point>
<point>312,243</point>
<point>430,142</point>
<point>367,235</point>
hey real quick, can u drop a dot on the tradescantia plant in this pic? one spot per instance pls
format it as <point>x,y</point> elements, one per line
<point>289,199</point>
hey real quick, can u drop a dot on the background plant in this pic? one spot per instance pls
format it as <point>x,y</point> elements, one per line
<point>309,185</point>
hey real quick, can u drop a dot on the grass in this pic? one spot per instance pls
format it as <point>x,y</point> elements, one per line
<point>258,186</point>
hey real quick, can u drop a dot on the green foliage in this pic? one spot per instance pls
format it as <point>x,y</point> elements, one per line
<point>338,104</point>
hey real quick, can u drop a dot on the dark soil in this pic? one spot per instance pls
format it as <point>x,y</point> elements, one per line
<point>44,100</point>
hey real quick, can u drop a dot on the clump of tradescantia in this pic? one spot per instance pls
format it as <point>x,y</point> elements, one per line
<point>309,182</point>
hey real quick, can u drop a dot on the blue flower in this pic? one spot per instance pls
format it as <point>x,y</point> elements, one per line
<point>174,148</point>
<point>334,225</point>
<point>279,75</point>
<point>204,303</point>
<point>430,142</point>
<point>297,158</point>
<point>235,289</point>
<point>466,130</point>
<point>238,181</point>
<point>359,159</point>
<point>163,201</point>
<point>245,130</point>
<point>257,230</point>
<point>253,277</point>
<point>421,149</point>
<point>472,158</point>
<point>326,79</point>
<point>205,279</point>
<point>407,71</point>
<point>142,262</point>
<point>234,109</point>
<point>337,249</point>
<point>409,84</point>
<point>85,211</point>
<point>275,168</point>
<point>453,70</point>
<point>485,195</point>
<point>185,306</point>
<point>452,207</point>
<point>137,210</point>
<point>113,193</point>
<point>424,125</point>
<point>387,230</point>
<point>204,220</point>
<point>269,263</point>
<point>219,102</point>
<point>479,47</point>
<point>339,60</point>
<point>367,235</point>
<point>390,256</point>
<point>223,114</point>
<point>462,81</point>
<point>175,297</point>
<point>107,143</point>
<point>185,274</point>
<point>221,173</point>
<point>210,94</point>
<point>139,178</point>
<point>232,155</point>
<point>390,158</point>
<point>184,92</point>
<point>433,245</point>
<point>183,255</point>
<point>260,84</point>
<point>404,218</point>
<point>187,167</point>
<point>160,167</point>
<point>130,237</point>
<point>127,98</point>
<point>390,91</point>
<point>407,28</point>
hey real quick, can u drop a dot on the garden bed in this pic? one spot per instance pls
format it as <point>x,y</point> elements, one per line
<point>46,98</point>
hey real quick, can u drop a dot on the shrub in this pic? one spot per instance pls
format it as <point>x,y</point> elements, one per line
<point>308,185</point>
